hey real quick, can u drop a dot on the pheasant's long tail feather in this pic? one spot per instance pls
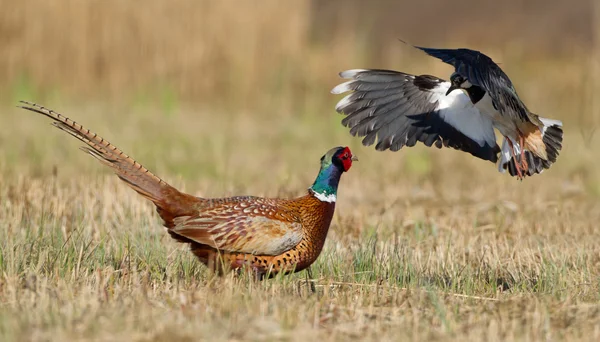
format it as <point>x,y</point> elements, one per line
<point>169,201</point>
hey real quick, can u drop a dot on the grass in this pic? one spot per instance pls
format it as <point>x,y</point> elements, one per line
<point>228,98</point>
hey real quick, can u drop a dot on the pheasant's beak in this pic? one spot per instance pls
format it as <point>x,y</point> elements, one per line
<point>354,158</point>
<point>452,88</point>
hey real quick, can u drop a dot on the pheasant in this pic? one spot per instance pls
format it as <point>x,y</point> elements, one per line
<point>264,235</point>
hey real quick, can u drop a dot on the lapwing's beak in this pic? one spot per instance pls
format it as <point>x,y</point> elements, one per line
<point>354,158</point>
<point>452,87</point>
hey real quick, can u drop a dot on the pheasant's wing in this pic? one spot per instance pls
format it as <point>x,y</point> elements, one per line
<point>481,70</point>
<point>399,109</point>
<point>242,224</point>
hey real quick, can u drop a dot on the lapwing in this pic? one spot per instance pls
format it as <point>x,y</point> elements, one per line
<point>397,109</point>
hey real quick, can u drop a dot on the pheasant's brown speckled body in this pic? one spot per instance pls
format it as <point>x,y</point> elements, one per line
<point>312,217</point>
<point>267,235</point>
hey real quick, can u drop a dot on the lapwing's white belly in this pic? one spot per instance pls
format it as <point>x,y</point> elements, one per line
<point>502,123</point>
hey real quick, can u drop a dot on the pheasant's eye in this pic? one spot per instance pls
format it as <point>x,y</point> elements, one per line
<point>345,155</point>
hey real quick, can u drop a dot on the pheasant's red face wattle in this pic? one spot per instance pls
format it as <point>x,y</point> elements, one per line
<point>346,157</point>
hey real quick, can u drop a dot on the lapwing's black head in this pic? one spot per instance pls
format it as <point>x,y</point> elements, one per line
<point>457,81</point>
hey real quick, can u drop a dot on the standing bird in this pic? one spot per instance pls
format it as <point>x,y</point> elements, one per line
<point>268,235</point>
<point>399,109</point>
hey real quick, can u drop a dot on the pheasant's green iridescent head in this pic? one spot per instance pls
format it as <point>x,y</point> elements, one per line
<point>335,162</point>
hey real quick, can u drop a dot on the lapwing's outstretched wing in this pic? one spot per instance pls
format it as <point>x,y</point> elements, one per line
<point>481,70</point>
<point>398,109</point>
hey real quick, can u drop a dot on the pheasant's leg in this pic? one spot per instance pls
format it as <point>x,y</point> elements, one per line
<point>309,279</point>
<point>517,165</point>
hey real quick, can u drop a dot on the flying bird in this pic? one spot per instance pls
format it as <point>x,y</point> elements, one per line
<point>397,109</point>
<point>267,235</point>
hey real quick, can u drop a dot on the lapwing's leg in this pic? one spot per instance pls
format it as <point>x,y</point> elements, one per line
<point>524,163</point>
<point>517,165</point>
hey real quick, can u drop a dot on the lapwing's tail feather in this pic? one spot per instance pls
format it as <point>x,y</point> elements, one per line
<point>550,144</point>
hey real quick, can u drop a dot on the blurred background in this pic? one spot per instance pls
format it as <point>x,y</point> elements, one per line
<point>263,69</point>
<point>257,52</point>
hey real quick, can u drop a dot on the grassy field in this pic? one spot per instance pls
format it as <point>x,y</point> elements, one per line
<point>425,245</point>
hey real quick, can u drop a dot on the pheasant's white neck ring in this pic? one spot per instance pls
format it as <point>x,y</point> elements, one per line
<point>323,197</point>
<point>325,186</point>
